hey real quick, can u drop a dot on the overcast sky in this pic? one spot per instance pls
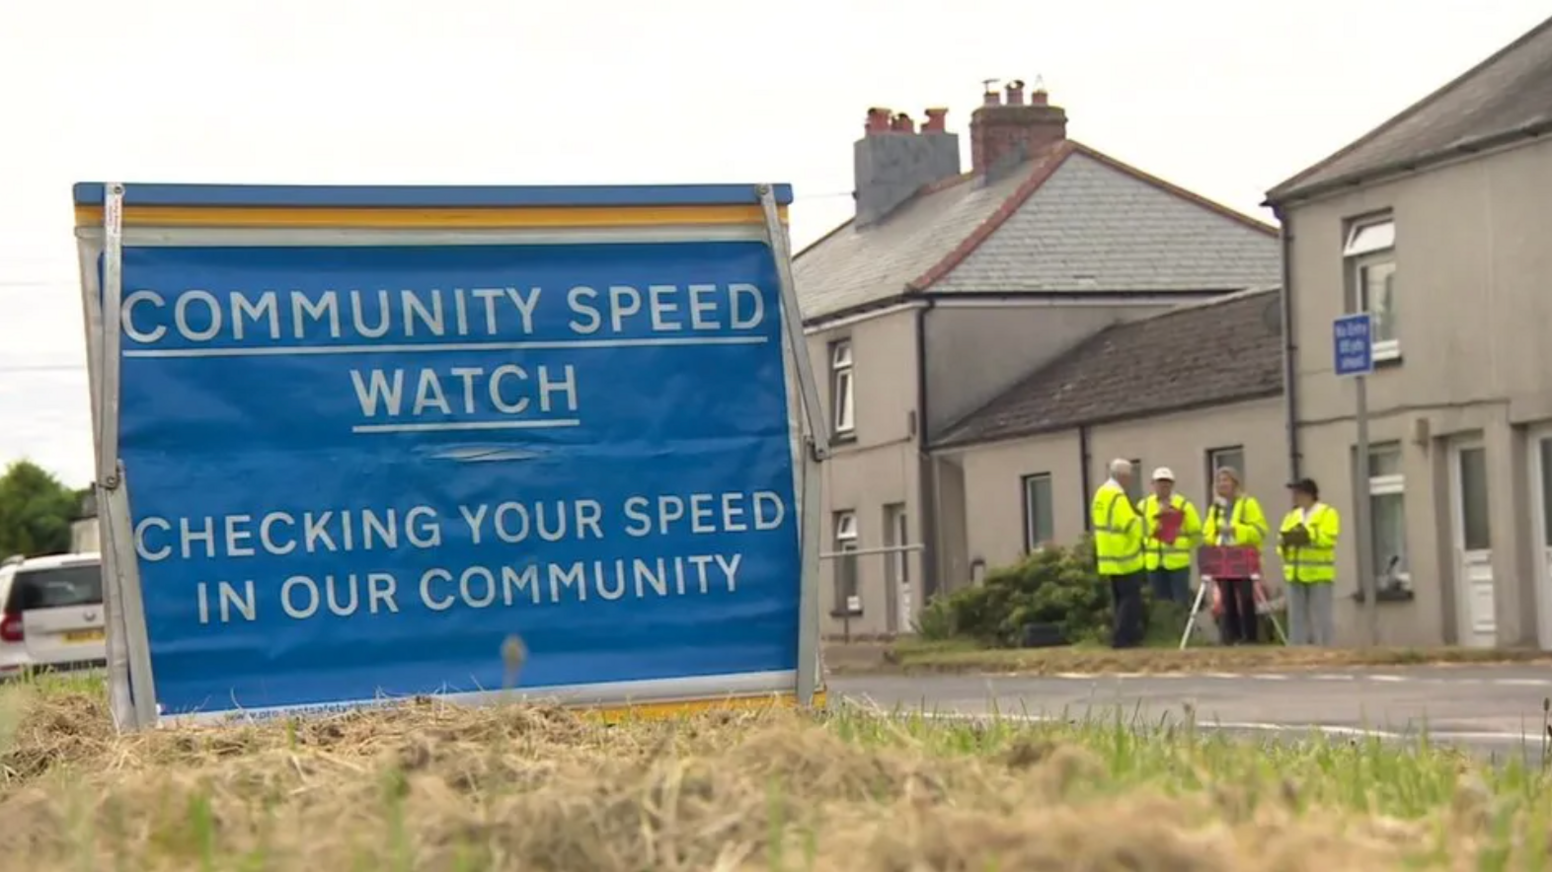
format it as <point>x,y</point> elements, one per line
<point>1224,97</point>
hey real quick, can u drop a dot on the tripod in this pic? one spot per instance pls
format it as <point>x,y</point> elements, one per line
<point>1263,607</point>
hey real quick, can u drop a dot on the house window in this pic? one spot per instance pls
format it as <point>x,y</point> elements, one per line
<point>847,600</point>
<point>842,388</point>
<point>1370,253</point>
<point>1231,457</point>
<point>1134,487</point>
<point>1387,512</point>
<point>1038,516</point>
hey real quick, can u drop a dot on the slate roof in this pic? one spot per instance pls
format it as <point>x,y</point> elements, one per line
<point>1504,98</point>
<point>1201,354</point>
<point>1072,219</point>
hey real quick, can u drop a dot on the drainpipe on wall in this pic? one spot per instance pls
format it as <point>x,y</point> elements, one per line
<point>1083,476</point>
<point>1290,383</point>
<point>930,511</point>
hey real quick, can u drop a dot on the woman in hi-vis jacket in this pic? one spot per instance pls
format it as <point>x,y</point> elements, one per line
<point>1235,518</point>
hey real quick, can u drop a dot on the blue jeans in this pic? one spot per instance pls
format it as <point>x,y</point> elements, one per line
<point>1171,585</point>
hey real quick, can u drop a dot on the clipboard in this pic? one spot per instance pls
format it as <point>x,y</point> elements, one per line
<point>1169,526</point>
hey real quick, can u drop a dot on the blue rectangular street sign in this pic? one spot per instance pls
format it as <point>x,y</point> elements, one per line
<point>358,470</point>
<point>1352,341</point>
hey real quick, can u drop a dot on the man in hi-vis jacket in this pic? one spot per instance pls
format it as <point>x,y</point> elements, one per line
<point>1118,549</point>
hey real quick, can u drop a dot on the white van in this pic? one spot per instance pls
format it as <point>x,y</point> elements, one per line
<point>53,615</point>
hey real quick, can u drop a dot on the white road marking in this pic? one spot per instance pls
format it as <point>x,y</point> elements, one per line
<point>1389,678</point>
<point>1333,730</point>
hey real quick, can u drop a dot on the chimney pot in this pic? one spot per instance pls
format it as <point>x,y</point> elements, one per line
<point>1038,97</point>
<point>903,124</point>
<point>991,98</point>
<point>878,121</point>
<point>1016,92</point>
<point>936,121</point>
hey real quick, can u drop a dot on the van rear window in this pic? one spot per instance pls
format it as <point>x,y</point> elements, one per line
<point>59,587</point>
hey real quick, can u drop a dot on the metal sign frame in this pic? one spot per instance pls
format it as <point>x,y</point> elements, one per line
<point>132,685</point>
<point>815,439</point>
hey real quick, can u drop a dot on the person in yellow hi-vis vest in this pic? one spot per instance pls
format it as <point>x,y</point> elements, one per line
<point>1168,563</point>
<point>1118,551</point>
<point>1307,545</point>
<point>1235,518</point>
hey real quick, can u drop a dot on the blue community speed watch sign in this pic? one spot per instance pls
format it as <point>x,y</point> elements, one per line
<point>356,443</point>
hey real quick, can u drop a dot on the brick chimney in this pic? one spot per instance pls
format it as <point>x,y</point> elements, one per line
<point>1006,133</point>
<point>893,161</point>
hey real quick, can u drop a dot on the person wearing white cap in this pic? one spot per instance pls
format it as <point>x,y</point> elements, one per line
<point>1171,530</point>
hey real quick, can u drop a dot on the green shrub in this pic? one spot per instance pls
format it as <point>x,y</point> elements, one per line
<point>1056,585</point>
<point>936,621</point>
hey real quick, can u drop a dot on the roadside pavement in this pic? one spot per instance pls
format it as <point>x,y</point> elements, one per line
<point>1490,710</point>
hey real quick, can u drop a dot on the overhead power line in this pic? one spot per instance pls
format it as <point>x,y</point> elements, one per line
<point>44,367</point>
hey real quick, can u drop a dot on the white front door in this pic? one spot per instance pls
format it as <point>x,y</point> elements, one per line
<point>1541,497</point>
<point>1476,622</point>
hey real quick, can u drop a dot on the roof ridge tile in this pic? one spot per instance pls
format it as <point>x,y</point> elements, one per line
<point>1045,167</point>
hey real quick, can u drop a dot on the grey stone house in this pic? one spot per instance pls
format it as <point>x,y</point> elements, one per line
<point>947,288</point>
<point>1436,223</point>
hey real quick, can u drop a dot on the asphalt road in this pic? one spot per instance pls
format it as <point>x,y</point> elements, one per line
<point>1493,711</point>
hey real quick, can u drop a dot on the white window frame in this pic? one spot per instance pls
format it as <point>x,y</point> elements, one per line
<point>1372,242</point>
<point>843,388</point>
<point>1031,545</point>
<point>1390,484</point>
<point>847,538</point>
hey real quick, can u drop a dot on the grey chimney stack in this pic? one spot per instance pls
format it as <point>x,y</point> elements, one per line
<point>893,161</point>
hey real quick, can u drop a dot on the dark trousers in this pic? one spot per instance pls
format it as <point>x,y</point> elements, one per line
<point>1126,602</point>
<point>1239,610</point>
<point>1171,585</point>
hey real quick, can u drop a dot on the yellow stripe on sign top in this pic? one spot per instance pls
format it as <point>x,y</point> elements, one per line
<point>565,216</point>
<point>652,710</point>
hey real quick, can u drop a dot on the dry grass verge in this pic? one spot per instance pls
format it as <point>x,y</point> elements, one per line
<point>956,657</point>
<point>437,787</point>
